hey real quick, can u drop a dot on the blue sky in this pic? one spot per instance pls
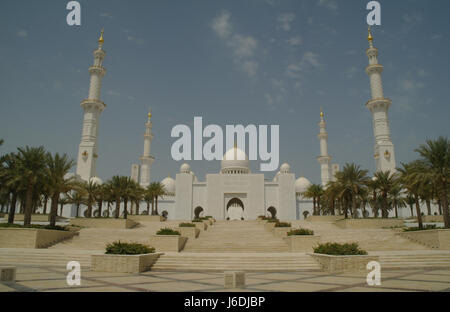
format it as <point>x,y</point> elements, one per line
<point>231,62</point>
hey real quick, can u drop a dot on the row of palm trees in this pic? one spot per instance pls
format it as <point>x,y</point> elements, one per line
<point>424,180</point>
<point>33,176</point>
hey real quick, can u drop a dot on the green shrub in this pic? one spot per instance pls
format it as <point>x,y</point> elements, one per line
<point>282,224</point>
<point>204,218</point>
<point>273,220</point>
<point>34,226</point>
<point>299,232</point>
<point>186,225</point>
<point>118,248</point>
<point>167,231</point>
<point>262,218</point>
<point>426,228</point>
<point>336,249</point>
<point>197,220</point>
<point>209,217</point>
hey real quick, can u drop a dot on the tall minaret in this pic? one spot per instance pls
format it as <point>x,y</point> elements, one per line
<point>147,159</point>
<point>93,107</point>
<point>379,106</point>
<point>324,158</point>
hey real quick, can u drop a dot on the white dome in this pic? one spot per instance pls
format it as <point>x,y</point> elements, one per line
<point>301,185</point>
<point>96,181</point>
<point>185,168</point>
<point>285,168</point>
<point>169,186</point>
<point>235,161</point>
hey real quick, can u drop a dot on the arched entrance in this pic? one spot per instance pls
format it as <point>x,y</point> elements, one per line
<point>273,212</point>
<point>197,212</point>
<point>235,209</point>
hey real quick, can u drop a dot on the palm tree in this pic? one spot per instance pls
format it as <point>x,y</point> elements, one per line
<point>412,184</point>
<point>57,167</point>
<point>159,190</point>
<point>149,197</point>
<point>77,199</point>
<point>396,198</point>
<point>89,191</point>
<point>435,161</point>
<point>385,182</point>
<point>352,180</point>
<point>31,170</point>
<point>410,202</point>
<point>128,186</point>
<point>10,182</point>
<point>137,195</point>
<point>115,186</point>
<point>315,192</point>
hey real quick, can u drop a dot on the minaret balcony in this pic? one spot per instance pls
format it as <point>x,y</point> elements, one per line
<point>376,68</point>
<point>97,70</point>
<point>377,104</point>
<point>91,103</point>
<point>323,160</point>
<point>323,136</point>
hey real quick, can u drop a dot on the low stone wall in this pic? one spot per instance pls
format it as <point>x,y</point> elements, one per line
<point>281,231</point>
<point>144,218</point>
<point>302,243</point>
<point>269,226</point>
<point>189,232</point>
<point>438,239</point>
<point>105,223</point>
<point>32,238</point>
<point>324,218</point>
<point>173,243</point>
<point>368,223</point>
<point>34,217</point>
<point>343,264</point>
<point>427,219</point>
<point>202,226</point>
<point>123,263</point>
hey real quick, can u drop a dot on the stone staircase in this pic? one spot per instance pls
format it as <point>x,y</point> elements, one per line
<point>248,262</point>
<point>235,237</point>
<point>44,257</point>
<point>425,259</point>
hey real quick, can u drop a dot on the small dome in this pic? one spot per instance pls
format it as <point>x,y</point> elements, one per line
<point>285,168</point>
<point>169,186</point>
<point>235,161</point>
<point>301,185</point>
<point>96,181</point>
<point>185,168</point>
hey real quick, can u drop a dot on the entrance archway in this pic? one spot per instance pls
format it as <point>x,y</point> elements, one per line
<point>197,212</point>
<point>235,209</point>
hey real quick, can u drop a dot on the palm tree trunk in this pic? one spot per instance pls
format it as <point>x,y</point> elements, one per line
<point>444,201</point>
<point>54,209</point>
<point>156,207</point>
<point>100,206</point>
<point>419,214</point>
<point>28,205</point>
<point>137,208</point>
<point>428,202</point>
<point>439,206</point>
<point>314,207</point>
<point>153,206</point>
<point>117,208</point>
<point>355,207</point>
<point>148,207</point>
<point>396,211</point>
<point>61,209</point>
<point>78,211</point>
<point>45,204</point>
<point>125,210</point>
<point>12,208</point>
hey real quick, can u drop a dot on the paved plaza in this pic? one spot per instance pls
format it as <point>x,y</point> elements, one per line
<point>53,279</point>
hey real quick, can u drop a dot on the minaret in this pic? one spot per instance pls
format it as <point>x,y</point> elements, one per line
<point>147,159</point>
<point>379,106</point>
<point>92,107</point>
<point>324,158</point>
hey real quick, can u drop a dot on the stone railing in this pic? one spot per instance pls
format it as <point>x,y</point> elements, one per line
<point>104,223</point>
<point>32,238</point>
<point>438,239</point>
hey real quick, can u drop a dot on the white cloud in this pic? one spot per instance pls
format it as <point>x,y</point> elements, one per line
<point>286,20</point>
<point>250,67</point>
<point>22,33</point>
<point>295,41</point>
<point>329,4</point>
<point>221,25</point>
<point>244,46</point>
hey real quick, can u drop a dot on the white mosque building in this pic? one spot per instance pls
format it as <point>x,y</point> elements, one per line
<point>233,192</point>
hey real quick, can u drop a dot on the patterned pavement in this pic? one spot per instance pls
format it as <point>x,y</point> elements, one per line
<point>53,279</point>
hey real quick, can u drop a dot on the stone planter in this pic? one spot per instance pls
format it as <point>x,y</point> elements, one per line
<point>32,238</point>
<point>189,232</point>
<point>123,263</point>
<point>438,239</point>
<point>173,243</point>
<point>35,217</point>
<point>324,218</point>
<point>105,223</point>
<point>281,231</point>
<point>368,223</point>
<point>428,219</point>
<point>269,226</point>
<point>202,226</point>
<point>343,264</point>
<point>302,243</point>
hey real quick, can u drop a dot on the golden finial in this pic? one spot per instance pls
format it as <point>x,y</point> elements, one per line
<point>149,115</point>
<point>370,37</point>
<point>101,40</point>
<point>321,113</point>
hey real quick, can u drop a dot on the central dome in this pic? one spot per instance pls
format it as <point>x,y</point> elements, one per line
<point>235,161</point>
